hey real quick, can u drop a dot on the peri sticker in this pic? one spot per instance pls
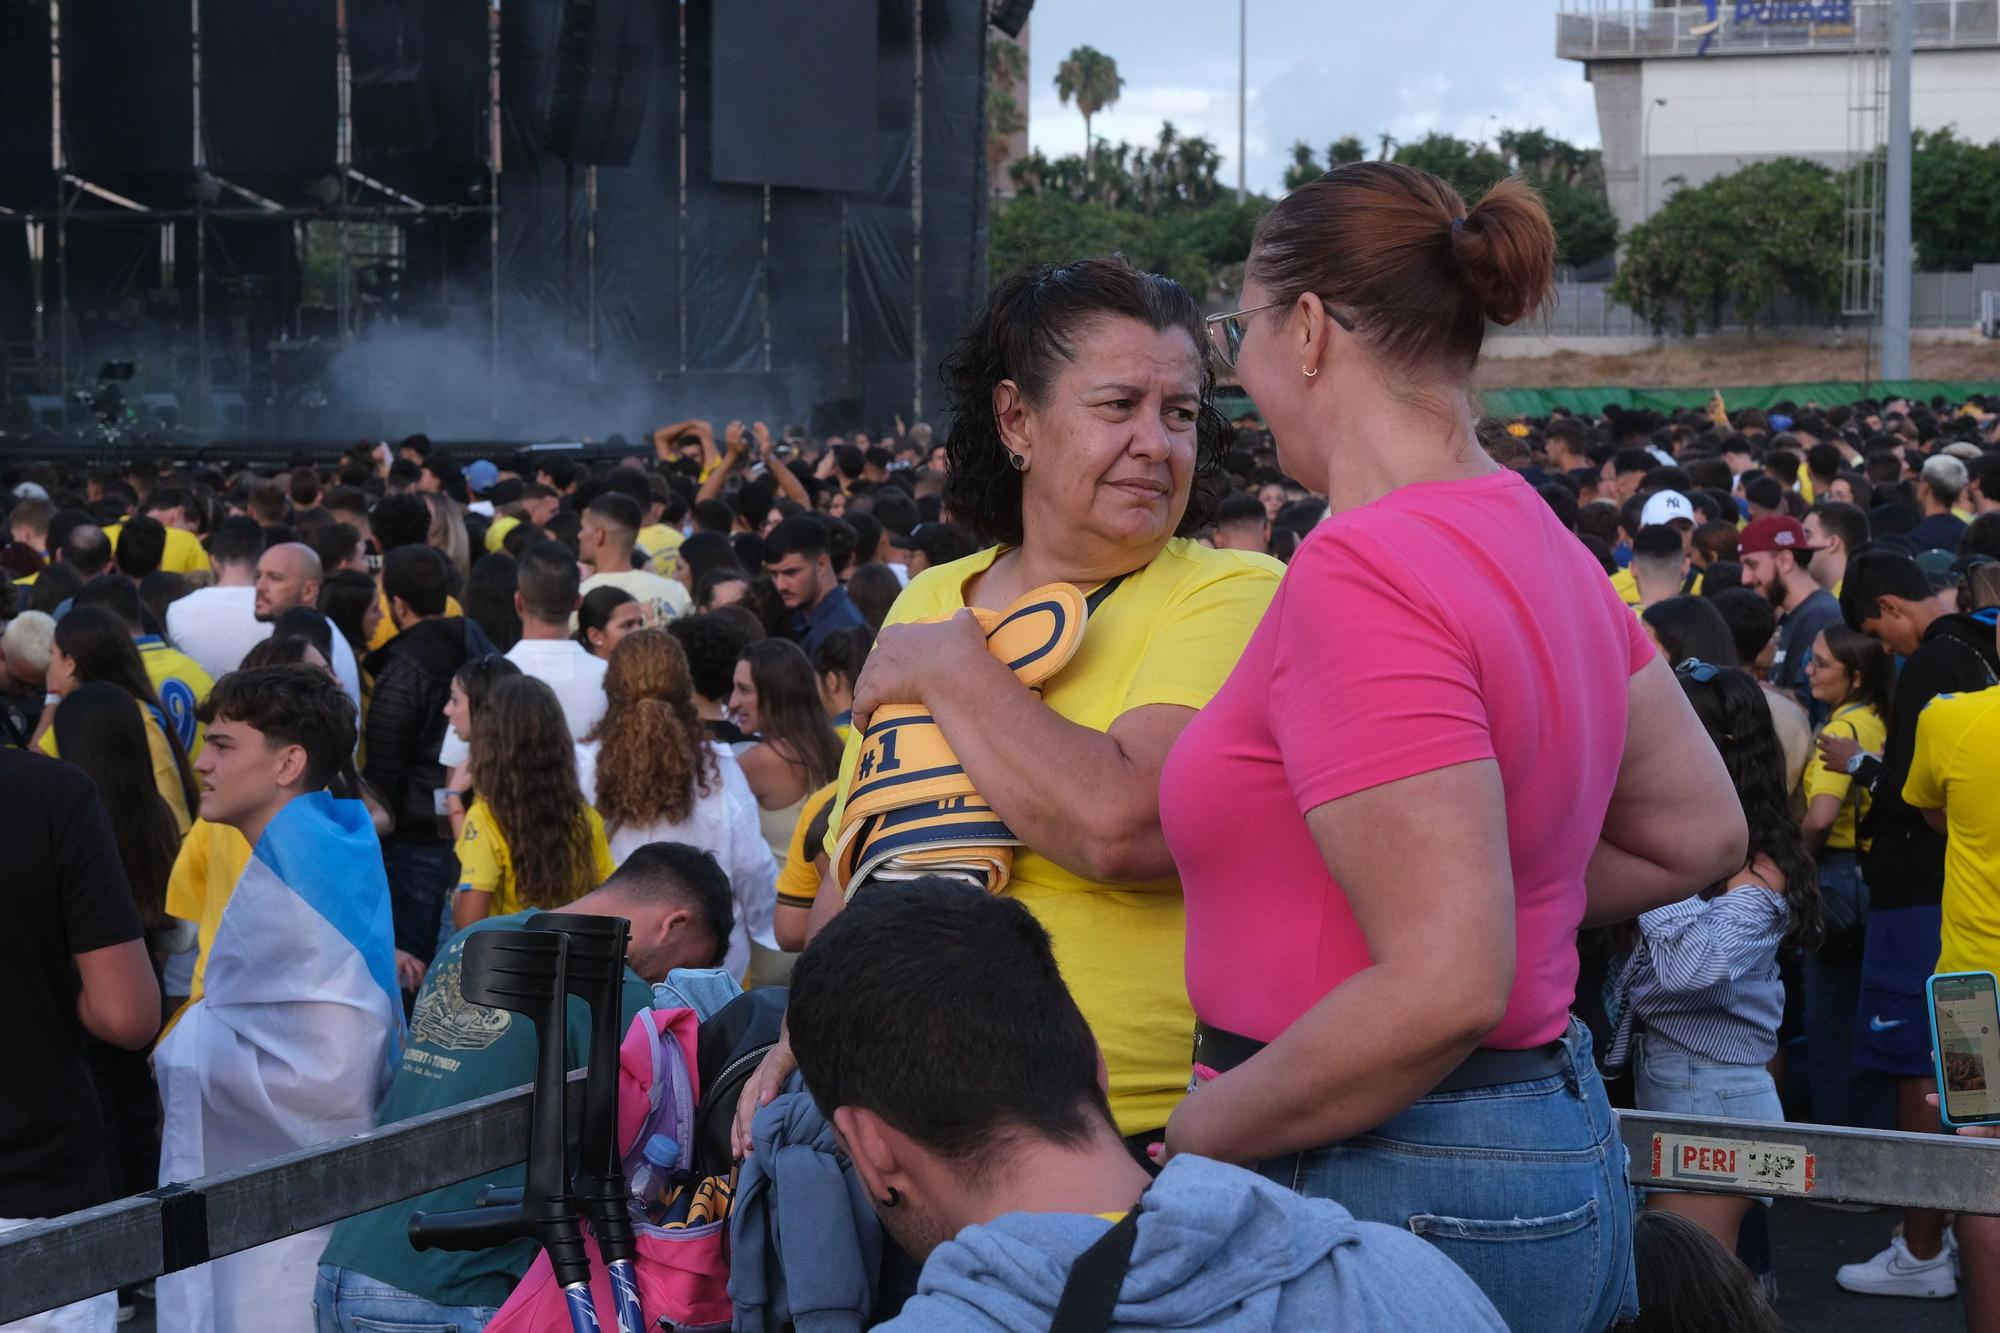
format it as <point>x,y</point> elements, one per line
<point>1768,1168</point>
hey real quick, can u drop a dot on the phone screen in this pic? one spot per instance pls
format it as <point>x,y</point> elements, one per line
<point>1968,1033</point>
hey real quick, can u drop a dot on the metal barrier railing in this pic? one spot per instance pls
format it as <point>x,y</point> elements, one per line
<point>64,1259</point>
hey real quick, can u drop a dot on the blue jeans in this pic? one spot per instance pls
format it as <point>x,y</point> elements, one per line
<point>420,875</point>
<point>1522,1185</point>
<point>345,1301</point>
<point>1667,1078</point>
<point>1842,1092</point>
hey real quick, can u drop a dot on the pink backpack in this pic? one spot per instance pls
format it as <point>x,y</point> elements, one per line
<point>683,1271</point>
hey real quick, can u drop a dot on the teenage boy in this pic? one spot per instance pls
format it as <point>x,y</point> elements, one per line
<point>295,1034</point>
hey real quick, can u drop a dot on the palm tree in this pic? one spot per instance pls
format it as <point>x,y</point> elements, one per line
<point>1003,121</point>
<point>1092,79</point>
<point>1304,167</point>
<point>1006,61</point>
<point>1195,165</point>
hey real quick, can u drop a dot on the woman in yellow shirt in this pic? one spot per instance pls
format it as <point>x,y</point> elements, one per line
<point>529,838</point>
<point>1853,675</point>
<point>91,644</point>
<point>1086,445</point>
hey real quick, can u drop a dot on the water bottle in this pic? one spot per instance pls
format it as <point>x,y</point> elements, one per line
<point>649,1180</point>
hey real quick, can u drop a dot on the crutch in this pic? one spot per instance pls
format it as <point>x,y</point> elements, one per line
<point>525,972</point>
<point>597,977</point>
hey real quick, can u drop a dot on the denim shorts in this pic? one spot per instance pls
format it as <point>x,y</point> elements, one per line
<point>1522,1185</point>
<point>1666,1077</point>
<point>345,1301</point>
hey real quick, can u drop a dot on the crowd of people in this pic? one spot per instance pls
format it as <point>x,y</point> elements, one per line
<point>1414,787</point>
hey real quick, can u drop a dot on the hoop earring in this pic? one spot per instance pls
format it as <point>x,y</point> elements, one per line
<point>1310,373</point>
<point>895,1197</point>
<point>1020,463</point>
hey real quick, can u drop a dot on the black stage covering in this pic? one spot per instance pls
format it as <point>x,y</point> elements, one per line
<point>755,254</point>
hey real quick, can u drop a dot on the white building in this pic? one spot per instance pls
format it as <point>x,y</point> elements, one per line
<point>1696,91</point>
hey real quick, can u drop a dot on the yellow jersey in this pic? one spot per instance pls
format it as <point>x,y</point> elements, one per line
<point>1866,728</point>
<point>1956,766</point>
<point>1627,585</point>
<point>212,858</point>
<point>1169,633</point>
<point>486,866</point>
<point>385,629</point>
<point>184,552</point>
<point>662,544</point>
<point>182,686</point>
<point>798,881</point>
<point>166,773</point>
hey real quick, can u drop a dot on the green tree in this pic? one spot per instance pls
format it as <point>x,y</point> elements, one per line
<point>1006,60</point>
<point>1044,229</point>
<point>1004,120</point>
<point>1090,79</point>
<point>1954,201</point>
<point>1006,66</point>
<point>1343,150</point>
<point>1586,228</point>
<point>1729,247</point>
<point>1470,168</point>
<point>1303,167</point>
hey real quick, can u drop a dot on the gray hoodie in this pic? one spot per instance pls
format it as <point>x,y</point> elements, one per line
<point>1218,1248</point>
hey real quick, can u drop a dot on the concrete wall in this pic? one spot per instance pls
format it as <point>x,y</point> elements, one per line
<point>1725,113</point>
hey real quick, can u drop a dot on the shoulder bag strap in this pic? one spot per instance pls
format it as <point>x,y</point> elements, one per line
<point>1095,1279</point>
<point>1103,593</point>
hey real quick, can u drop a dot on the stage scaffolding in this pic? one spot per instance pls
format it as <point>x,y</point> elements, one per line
<point>357,199</point>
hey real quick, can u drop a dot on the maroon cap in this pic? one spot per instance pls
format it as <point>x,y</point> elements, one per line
<point>1774,532</point>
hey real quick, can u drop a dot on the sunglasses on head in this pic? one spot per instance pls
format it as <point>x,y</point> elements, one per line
<point>1698,671</point>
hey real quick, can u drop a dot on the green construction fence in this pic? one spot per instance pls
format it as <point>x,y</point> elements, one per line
<point>1826,393</point>
<point>1594,398</point>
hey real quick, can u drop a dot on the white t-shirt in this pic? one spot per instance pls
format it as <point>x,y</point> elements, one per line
<point>661,599</point>
<point>217,627</point>
<point>724,824</point>
<point>576,677</point>
<point>344,667</point>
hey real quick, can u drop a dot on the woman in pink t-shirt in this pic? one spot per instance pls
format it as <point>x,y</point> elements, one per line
<point>1446,747</point>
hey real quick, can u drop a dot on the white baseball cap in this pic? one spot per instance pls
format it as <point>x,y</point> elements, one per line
<point>1667,507</point>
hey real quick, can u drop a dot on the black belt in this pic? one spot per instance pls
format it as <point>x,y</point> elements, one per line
<point>1484,1068</point>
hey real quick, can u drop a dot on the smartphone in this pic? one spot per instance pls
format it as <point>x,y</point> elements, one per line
<point>1965,1043</point>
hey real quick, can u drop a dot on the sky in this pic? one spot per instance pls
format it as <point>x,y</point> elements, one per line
<point>1318,69</point>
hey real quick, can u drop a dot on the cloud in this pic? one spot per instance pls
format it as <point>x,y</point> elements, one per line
<point>1317,71</point>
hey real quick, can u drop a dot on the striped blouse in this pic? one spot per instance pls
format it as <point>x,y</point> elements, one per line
<point>1705,977</point>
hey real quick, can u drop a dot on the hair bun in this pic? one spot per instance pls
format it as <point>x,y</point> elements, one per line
<point>1505,251</point>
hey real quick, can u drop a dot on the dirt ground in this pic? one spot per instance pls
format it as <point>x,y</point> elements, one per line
<point>1713,362</point>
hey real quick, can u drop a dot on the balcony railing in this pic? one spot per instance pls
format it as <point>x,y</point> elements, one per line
<point>1614,29</point>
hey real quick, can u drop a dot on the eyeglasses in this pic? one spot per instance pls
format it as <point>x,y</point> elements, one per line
<point>1698,671</point>
<point>1230,327</point>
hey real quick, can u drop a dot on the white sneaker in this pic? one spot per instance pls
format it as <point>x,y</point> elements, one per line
<point>1951,1248</point>
<point>1895,1273</point>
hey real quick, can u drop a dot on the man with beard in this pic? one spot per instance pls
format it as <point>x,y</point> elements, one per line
<point>1776,559</point>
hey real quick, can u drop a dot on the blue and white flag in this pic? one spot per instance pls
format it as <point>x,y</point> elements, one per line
<point>291,1043</point>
